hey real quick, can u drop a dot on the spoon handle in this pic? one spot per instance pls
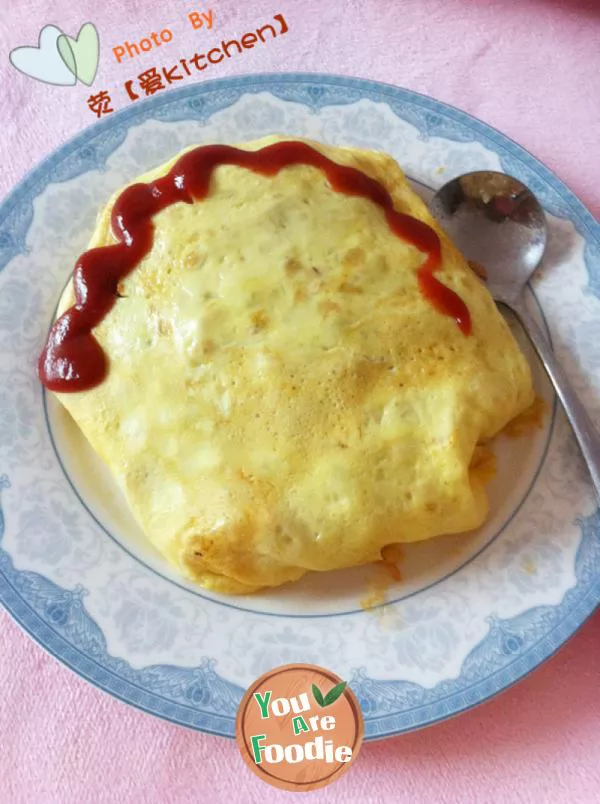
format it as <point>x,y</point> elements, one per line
<point>583,427</point>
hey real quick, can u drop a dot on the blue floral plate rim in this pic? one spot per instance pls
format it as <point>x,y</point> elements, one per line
<point>57,619</point>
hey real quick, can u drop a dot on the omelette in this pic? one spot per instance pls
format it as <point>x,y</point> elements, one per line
<point>287,364</point>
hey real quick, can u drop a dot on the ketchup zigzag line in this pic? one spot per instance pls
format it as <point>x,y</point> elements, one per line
<point>73,360</point>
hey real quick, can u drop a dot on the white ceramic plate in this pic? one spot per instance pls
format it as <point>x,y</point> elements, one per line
<point>472,615</point>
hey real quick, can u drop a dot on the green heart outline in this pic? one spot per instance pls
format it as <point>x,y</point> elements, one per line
<point>84,66</point>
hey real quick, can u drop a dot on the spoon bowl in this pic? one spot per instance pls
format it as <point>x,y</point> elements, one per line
<point>496,221</point>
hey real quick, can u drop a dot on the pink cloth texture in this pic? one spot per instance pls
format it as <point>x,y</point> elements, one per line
<point>529,68</point>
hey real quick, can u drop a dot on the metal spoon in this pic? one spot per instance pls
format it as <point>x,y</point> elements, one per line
<point>497,221</point>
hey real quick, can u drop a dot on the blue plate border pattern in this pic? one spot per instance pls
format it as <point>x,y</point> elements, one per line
<point>198,697</point>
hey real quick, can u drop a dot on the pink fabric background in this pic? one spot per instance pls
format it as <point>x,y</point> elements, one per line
<point>531,69</point>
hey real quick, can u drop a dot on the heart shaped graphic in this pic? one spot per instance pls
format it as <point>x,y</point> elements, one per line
<point>84,49</point>
<point>45,62</point>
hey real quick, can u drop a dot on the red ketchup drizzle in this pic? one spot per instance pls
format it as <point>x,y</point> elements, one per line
<point>73,360</point>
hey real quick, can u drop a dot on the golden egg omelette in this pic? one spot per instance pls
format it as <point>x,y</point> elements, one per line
<point>281,396</point>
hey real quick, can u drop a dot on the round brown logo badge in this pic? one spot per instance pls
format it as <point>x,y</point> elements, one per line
<point>299,727</point>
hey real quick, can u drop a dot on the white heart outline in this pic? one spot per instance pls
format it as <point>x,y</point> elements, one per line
<point>47,48</point>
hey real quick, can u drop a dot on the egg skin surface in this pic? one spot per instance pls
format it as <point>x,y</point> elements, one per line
<point>281,397</point>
